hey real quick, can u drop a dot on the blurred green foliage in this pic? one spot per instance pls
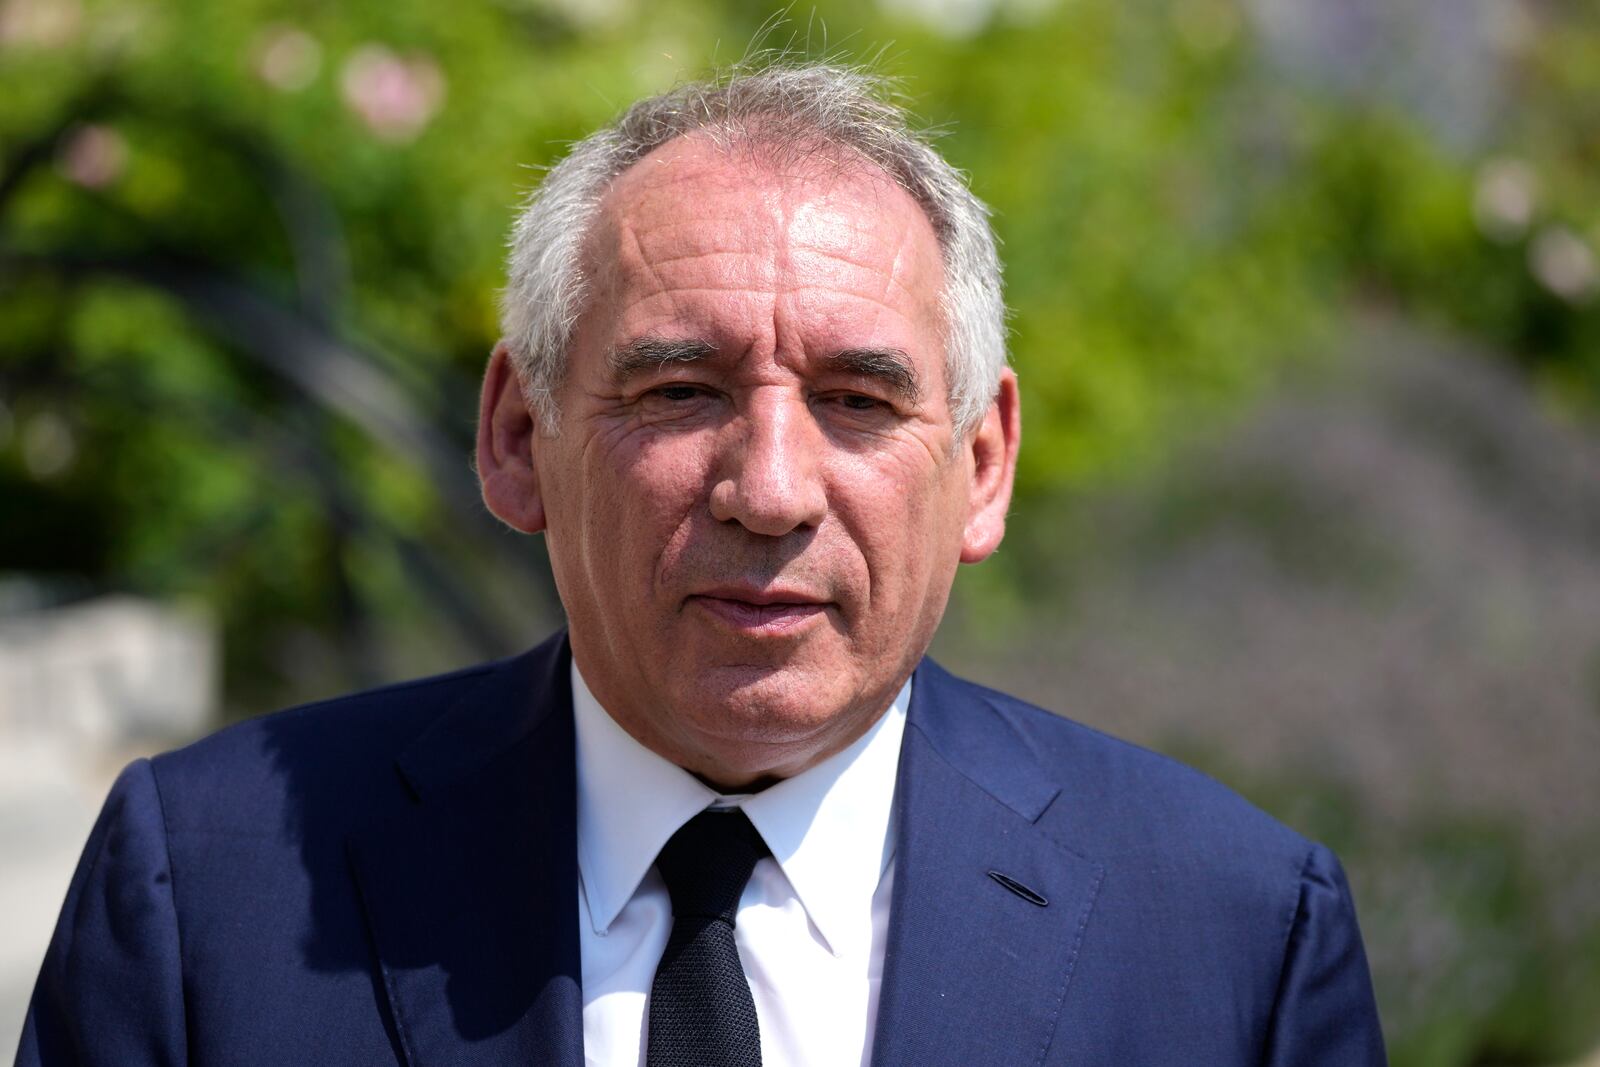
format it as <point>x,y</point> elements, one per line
<point>249,255</point>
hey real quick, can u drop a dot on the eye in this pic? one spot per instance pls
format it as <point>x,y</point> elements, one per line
<point>677,403</point>
<point>860,402</point>
<point>678,393</point>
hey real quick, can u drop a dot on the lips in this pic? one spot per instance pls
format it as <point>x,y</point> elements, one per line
<point>757,612</point>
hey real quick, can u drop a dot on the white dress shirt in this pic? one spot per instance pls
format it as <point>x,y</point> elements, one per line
<point>813,919</point>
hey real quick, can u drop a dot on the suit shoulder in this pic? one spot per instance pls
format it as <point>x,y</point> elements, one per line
<point>1127,798</point>
<point>353,738</point>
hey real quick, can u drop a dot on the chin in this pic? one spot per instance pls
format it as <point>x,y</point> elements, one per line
<point>765,705</point>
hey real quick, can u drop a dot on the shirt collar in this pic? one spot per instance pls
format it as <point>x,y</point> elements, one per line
<point>829,827</point>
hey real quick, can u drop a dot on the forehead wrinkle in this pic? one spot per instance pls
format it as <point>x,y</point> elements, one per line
<point>891,280</point>
<point>902,326</point>
<point>841,202</point>
<point>706,240</point>
<point>659,262</point>
<point>741,196</point>
<point>646,267</point>
<point>705,234</point>
<point>630,252</point>
<point>819,179</point>
<point>906,260</point>
<point>740,163</point>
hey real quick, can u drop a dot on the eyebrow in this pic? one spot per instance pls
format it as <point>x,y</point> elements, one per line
<point>651,353</point>
<point>890,367</point>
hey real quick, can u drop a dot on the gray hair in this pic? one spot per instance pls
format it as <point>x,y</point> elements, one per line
<point>788,107</point>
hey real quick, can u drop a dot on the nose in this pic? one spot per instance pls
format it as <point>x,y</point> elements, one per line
<point>771,474</point>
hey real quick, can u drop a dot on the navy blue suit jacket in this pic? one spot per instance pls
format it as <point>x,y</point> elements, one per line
<point>391,878</point>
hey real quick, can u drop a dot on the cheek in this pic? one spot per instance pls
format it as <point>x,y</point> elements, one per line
<point>643,493</point>
<point>908,525</point>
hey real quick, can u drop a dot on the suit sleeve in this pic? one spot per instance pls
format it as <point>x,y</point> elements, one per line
<point>110,991</point>
<point>1325,1014</point>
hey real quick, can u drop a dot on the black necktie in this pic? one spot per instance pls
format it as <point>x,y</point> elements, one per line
<point>701,1012</point>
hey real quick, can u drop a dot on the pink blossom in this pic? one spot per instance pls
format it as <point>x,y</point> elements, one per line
<point>395,96</point>
<point>92,156</point>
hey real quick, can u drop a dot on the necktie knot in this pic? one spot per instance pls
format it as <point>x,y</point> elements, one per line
<point>707,863</point>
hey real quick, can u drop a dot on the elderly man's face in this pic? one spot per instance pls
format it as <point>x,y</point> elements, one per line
<point>756,501</point>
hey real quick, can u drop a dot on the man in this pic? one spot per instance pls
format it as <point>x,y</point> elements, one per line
<point>753,393</point>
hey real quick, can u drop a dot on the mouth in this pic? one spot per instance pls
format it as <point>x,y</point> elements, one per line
<point>759,612</point>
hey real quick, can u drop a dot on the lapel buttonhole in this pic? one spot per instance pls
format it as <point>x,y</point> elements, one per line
<point>1031,896</point>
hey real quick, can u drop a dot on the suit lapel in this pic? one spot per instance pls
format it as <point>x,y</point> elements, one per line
<point>975,972</point>
<point>471,892</point>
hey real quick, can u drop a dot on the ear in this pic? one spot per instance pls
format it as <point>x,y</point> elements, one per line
<point>994,467</point>
<point>506,435</point>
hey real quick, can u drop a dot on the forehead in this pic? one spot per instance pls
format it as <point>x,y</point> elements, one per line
<point>697,221</point>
